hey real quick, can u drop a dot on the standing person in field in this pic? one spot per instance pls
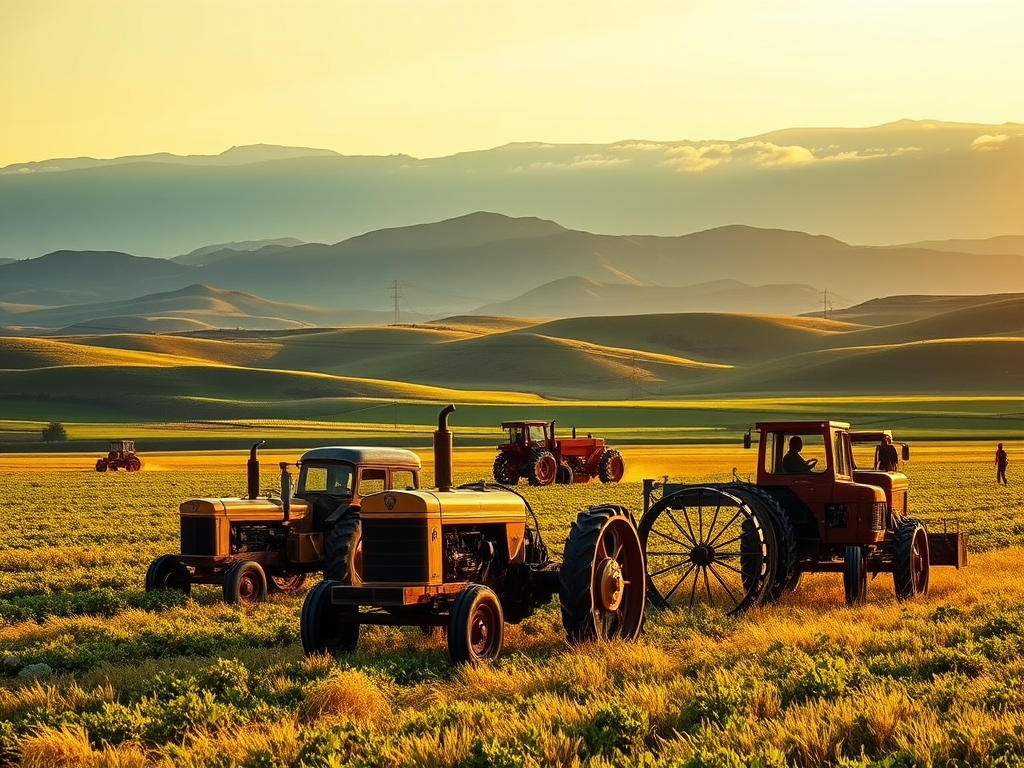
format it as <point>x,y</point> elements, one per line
<point>1001,462</point>
<point>886,458</point>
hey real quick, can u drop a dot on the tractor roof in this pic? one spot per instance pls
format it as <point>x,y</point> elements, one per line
<point>399,457</point>
<point>869,435</point>
<point>507,424</point>
<point>800,426</point>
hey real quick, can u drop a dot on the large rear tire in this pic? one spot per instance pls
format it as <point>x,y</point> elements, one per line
<point>910,564</point>
<point>603,578</point>
<point>245,583</point>
<point>476,626</point>
<point>542,469</point>
<point>343,550</point>
<point>781,538</point>
<point>324,628</point>
<point>168,572</point>
<point>610,467</point>
<point>505,470</point>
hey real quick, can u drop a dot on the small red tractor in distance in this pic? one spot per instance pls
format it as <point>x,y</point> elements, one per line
<point>812,509</point>
<point>466,558</point>
<point>120,456</point>
<point>533,452</point>
<point>257,544</point>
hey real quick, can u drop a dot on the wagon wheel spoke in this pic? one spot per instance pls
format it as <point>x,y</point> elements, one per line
<point>731,568</point>
<point>707,584</point>
<point>680,564</point>
<point>714,519</point>
<point>724,586</point>
<point>739,511</point>
<point>693,589</point>
<point>730,541</point>
<point>700,514</point>
<point>672,517</point>
<point>667,552</point>
<point>665,536</point>
<point>681,580</point>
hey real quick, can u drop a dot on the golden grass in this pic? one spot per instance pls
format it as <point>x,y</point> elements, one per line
<point>348,694</point>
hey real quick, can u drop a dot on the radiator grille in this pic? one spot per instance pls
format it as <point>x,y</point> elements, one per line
<point>198,536</point>
<point>879,516</point>
<point>395,551</point>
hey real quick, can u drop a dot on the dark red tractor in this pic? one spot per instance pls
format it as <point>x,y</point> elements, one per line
<point>533,452</point>
<point>120,456</point>
<point>812,509</point>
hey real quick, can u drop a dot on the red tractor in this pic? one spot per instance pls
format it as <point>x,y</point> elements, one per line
<point>121,456</point>
<point>533,452</point>
<point>812,509</point>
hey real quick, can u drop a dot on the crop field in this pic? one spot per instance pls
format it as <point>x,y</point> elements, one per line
<point>162,680</point>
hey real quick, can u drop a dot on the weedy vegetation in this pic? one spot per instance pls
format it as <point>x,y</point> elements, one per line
<point>163,680</point>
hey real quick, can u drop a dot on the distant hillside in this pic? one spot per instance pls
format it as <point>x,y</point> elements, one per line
<point>191,308</point>
<point>990,246</point>
<point>211,253</point>
<point>904,309</point>
<point>579,296</point>
<point>895,183</point>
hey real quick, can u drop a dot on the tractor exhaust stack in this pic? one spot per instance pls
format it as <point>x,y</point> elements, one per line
<point>253,472</point>
<point>443,450</point>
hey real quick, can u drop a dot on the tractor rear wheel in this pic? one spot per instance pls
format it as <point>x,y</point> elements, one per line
<point>604,584</point>
<point>542,468</point>
<point>285,582</point>
<point>610,467</point>
<point>343,550</point>
<point>505,470</point>
<point>706,545</point>
<point>168,572</point>
<point>910,564</point>
<point>855,575</point>
<point>476,625</point>
<point>780,535</point>
<point>564,475</point>
<point>245,583</point>
<point>134,465</point>
<point>325,628</point>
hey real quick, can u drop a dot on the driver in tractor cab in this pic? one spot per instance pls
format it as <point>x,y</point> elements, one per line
<point>793,462</point>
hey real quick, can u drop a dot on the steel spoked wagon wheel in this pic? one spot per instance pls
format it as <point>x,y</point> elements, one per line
<point>286,582</point>
<point>343,550</point>
<point>910,564</point>
<point>604,584</point>
<point>168,572</point>
<point>245,583</point>
<point>855,575</point>
<point>542,468</point>
<point>505,470</point>
<point>611,468</point>
<point>476,625</point>
<point>706,546</point>
<point>324,628</point>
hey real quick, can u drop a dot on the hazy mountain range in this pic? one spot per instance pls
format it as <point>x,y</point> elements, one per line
<point>902,182</point>
<point>483,263</point>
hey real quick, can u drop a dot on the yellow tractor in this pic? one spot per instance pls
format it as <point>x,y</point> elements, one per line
<point>263,543</point>
<point>467,559</point>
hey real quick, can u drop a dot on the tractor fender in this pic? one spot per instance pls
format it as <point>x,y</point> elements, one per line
<point>332,518</point>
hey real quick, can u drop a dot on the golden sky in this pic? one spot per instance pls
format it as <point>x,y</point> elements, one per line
<point>104,78</point>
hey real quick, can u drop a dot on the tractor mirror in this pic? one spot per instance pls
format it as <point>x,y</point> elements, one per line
<point>906,452</point>
<point>746,440</point>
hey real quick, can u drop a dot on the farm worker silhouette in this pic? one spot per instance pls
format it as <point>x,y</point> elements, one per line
<point>793,462</point>
<point>886,458</point>
<point>1001,462</point>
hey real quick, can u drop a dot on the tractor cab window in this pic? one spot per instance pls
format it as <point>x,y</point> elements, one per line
<point>841,451</point>
<point>403,479</point>
<point>537,434</point>
<point>795,454</point>
<point>372,481</point>
<point>516,435</point>
<point>332,479</point>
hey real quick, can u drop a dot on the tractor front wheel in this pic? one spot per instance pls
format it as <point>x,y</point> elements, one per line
<point>168,572</point>
<point>564,475</point>
<point>505,470</point>
<point>476,625</point>
<point>855,575</point>
<point>245,583</point>
<point>910,560</point>
<point>343,550</point>
<point>101,465</point>
<point>325,628</point>
<point>542,468</point>
<point>604,583</point>
<point>610,467</point>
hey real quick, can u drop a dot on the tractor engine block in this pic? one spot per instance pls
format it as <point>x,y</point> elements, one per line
<point>253,537</point>
<point>467,555</point>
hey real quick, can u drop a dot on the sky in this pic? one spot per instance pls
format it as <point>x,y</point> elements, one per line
<point>106,78</point>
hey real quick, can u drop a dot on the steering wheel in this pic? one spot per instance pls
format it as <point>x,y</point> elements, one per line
<point>811,463</point>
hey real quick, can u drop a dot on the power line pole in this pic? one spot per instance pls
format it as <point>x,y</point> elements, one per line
<point>395,293</point>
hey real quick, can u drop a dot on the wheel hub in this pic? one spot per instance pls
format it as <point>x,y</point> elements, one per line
<point>610,584</point>
<point>703,555</point>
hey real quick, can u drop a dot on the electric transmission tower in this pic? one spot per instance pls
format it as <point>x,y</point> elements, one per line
<point>396,294</point>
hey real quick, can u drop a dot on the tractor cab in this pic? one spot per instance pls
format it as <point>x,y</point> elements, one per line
<point>528,434</point>
<point>120,447</point>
